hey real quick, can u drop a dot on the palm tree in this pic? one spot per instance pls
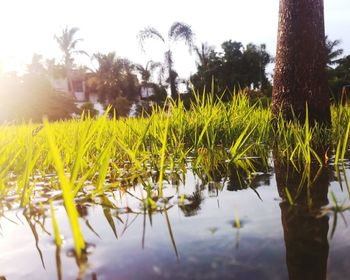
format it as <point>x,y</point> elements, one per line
<point>203,55</point>
<point>178,31</point>
<point>67,43</point>
<point>113,78</point>
<point>300,72</point>
<point>146,72</point>
<point>333,52</point>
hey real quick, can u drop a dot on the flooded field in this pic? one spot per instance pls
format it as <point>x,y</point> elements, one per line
<point>212,192</point>
<point>278,224</point>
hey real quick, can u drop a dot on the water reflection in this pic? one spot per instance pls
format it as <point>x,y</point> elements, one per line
<point>188,233</point>
<point>305,231</point>
<point>193,204</point>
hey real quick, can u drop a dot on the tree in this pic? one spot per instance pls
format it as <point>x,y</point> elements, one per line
<point>340,77</point>
<point>67,43</point>
<point>333,52</point>
<point>203,55</point>
<point>54,70</point>
<point>146,73</point>
<point>31,97</point>
<point>178,31</point>
<point>236,66</point>
<point>300,71</point>
<point>36,66</point>
<point>254,62</point>
<point>113,78</point>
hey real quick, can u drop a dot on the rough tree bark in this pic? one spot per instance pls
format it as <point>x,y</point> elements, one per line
<point>300,71</point>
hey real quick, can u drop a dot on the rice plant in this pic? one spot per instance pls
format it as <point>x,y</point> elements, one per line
<point>116,153</point>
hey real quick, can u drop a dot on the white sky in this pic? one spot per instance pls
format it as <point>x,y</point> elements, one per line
<point>28,26</point>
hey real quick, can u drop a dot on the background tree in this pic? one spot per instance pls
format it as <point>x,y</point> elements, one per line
<point>203,55</point>
<point>254,61</point>
<point>31,97</point>
<point>67,43</point>
<point>54,70</point>
<point>237,66</point>
<point>339,77</point>
<point>333,51</point>
<point>300,71</point>
<point>114,81</point>
<point>146,73</point>
<point>36,66</point>
<point>178,31</point>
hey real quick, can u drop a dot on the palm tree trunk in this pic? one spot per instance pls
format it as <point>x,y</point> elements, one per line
<point>300,71</point>
<point>173,89</point>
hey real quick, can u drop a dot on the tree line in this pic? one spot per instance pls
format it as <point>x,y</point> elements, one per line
<point>118,81</point>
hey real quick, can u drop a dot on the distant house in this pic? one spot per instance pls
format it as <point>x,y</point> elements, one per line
<point>147,92</point>
<point>79,89</point>
<point>78,82</point>
<point>60,84</point>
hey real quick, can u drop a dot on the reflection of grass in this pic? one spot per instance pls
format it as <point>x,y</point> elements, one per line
<point>212,138</point>
<point>336,209</point>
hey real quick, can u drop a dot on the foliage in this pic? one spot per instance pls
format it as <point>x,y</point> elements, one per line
<point>120,106</point>
<point>146,72</point>
<point>338,71</point>
<point>48,68</point>
<point>237,66</point>
<point>339,77</point>
<point>333,52</point>
<point>67,44</point>
<point>114,77</point>
<point>89,109</point>
<point>31,97</point>
<point>178,32</point>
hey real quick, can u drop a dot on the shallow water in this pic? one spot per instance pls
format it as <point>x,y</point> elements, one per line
<point>197,238</point>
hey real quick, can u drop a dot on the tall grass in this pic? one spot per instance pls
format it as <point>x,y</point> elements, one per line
<point>111,153</point>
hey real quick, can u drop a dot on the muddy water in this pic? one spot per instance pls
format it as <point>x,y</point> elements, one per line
<point>230,228</point>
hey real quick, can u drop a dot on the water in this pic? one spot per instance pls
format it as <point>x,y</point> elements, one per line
<point>197,238</point>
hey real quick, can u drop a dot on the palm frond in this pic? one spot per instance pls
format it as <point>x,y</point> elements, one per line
<point>73,43</point>
<point>203,54</point>
<point>149,33</point>
<point>332,52</point>
<point>140,68</point>
<point>181,31</point>
<point>81,52</point>
<point>154,65</point>
<point>67,43</point>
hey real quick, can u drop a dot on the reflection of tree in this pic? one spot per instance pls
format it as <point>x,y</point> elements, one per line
<point>83,210</point>
<point>194,203</point>
<point>305,234</point>
<point>240,178</point>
